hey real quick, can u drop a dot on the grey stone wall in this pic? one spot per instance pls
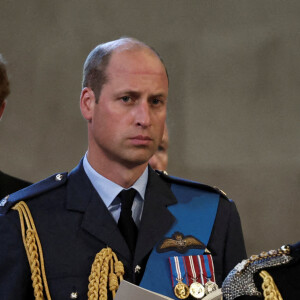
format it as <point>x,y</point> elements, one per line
<point>234,105</point>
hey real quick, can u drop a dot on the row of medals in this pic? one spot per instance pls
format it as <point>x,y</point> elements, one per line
<point>196,289</point>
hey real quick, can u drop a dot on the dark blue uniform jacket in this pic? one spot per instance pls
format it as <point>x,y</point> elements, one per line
<point>73,225</point>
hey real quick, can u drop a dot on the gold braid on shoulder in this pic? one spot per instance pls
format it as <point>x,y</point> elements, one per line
<point>107,271</point>
<point>34,252</point>
<point>269,287</point>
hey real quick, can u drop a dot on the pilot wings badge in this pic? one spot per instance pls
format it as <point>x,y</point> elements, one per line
<point>179,243</point>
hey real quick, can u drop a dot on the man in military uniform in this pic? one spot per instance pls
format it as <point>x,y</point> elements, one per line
<point>8,183</point>
<point>124,99</point>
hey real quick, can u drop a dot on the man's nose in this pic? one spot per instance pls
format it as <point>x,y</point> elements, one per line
<point>143,115</point>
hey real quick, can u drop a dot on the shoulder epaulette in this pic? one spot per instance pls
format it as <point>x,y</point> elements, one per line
<point>33,190</point>
<point>172,179</point>
<point>240,280</point>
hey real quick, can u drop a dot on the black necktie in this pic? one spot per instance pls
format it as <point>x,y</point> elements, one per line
<point>126,223</point>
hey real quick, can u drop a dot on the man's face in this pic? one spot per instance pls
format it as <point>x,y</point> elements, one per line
<point>128,121</point>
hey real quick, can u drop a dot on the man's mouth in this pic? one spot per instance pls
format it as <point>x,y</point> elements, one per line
<point>141,140</point>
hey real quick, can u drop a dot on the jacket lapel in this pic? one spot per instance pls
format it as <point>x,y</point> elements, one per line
<point>97,221</point>
<point>156,218</point>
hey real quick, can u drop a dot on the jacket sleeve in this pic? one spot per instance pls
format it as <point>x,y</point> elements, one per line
<point>15,282</point>
<point>226,241</point>
<point>235,250</point>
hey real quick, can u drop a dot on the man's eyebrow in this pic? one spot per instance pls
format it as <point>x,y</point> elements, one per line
<point>159,95</point>
<point>137,93</point>
<point>128,92</point>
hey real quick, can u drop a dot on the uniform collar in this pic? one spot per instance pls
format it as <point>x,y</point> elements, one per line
<point>107,189</point>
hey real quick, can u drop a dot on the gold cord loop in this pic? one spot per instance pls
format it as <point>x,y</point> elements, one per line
<point>107,271</point>
<point>34,252</point>
<point>269,287</point>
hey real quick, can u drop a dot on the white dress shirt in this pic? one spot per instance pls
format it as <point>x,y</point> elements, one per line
<point>108,191</point>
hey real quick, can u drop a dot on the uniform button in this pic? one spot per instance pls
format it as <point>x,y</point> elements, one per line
<point>4,200</point>
<point>137,269</point>
<point>74,295</point>
<point>222,192</point>
<point>59,177</point>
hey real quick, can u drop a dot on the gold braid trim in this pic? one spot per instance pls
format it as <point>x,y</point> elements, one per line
<point>107,271</point>
<point>269,287</point>
<point>34,251</point>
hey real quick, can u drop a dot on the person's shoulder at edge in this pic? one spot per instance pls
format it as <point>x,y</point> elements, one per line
<point>10,184</point>
<point>8,177</point>
<point>190,183</point>
<point>33,190</point>
<point>270,270</point>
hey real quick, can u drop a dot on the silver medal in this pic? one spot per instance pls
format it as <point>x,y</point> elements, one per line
<point>197,290</point>
<point>210,287</point>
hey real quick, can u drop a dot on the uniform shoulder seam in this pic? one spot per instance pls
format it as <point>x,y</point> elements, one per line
<point>33,190</point>
<point>177,180</point>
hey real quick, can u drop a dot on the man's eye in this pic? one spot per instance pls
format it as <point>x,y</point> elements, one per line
<point>156,101</point>
<point>125,99</point>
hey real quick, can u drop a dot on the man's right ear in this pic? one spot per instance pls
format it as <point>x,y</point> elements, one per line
<point>87,103</point>
<point>2,108</point>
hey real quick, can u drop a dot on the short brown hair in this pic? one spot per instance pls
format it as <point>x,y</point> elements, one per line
<point>97,61</point>
<point>4,83</point>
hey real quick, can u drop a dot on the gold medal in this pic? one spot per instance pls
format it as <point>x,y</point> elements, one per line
<point>210,287</point>
<point>197,290</point>
<point>181,290</point>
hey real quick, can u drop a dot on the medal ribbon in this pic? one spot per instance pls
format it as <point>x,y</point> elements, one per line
<point>206,266</point>
<point>211,267</point>
<point>199,268</point>
<point>178,270</point>
<point>192,268</point>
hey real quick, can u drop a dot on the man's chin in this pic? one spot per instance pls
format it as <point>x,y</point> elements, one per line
<point>137,161</point>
